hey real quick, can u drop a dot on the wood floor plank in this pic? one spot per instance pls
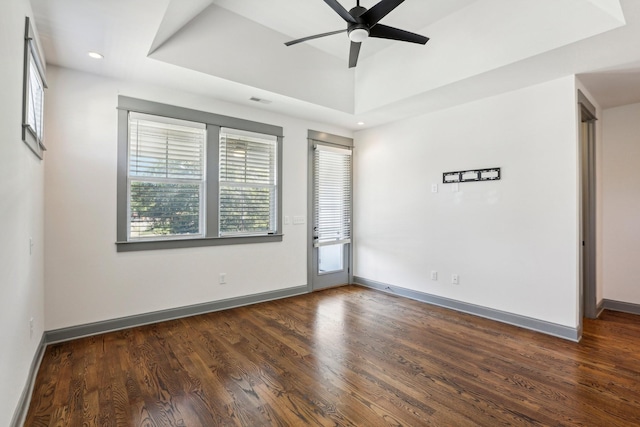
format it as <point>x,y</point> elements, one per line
<point>348,356</point>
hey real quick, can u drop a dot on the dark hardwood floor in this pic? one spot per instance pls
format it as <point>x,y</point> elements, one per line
<point>343,357</point>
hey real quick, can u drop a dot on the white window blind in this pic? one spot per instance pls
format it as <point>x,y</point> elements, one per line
<point>33,87</point>
<point>248,183</point>
<point>35,100</point>
<point>166,177</point>
<point>332,195</point>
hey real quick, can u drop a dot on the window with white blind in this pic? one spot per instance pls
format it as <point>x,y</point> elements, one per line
<point>332,195</point>
<point>190,178</point>
<point>247,183</point>
<point>33,94</point>
<point>166,177</point>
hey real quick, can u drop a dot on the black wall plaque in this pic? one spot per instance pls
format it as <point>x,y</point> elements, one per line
<point>490,174</point>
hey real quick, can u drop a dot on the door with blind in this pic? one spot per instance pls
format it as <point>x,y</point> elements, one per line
<point>330,222</point>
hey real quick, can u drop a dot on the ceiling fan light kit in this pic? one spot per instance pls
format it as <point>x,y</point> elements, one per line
<point>363,23</point>
<point>358,35</point>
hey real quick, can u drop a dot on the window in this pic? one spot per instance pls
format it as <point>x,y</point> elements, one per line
<point>189,178</point>
<point>166,177</point>
<point>247,183</point>
<point>33,94</point>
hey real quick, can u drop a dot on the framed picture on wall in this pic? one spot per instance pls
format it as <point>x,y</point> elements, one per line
<point>34,85</point>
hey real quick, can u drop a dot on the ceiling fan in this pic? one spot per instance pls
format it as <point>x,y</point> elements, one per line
<point>363,23</point>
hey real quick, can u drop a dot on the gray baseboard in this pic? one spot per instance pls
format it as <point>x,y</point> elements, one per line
<point>20,413</point>
<point>561,331</point>
<point>599,308</point>
<point>74,332</point>
<point>625,307</point>
<point>66,334</point>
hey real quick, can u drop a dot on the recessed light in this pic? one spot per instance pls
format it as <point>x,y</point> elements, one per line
<point>360,123</point>
<point>95,55</point>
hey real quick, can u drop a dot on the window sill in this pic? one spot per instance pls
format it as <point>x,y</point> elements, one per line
<point>148,245</point>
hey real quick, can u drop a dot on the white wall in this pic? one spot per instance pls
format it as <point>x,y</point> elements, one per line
<point>86,279</point>
<point>21,217</point>
<point>514,241</point>
<point>621,203</point>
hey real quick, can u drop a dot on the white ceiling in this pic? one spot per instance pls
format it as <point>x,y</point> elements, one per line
<point>233,50</point>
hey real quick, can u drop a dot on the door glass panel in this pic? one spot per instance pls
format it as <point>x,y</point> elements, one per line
<point>330,258</point>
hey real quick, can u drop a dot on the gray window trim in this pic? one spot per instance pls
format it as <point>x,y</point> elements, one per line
<point>31,50</point>
<point>123,142</point>
<point>166,110</point>
<point>213,186</point>
<point>213,122</point>
<point>327,137</point>
<point>195,243</point>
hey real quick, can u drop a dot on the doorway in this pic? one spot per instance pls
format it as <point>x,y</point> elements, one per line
<point>330,210</point>
<point>588,119</point>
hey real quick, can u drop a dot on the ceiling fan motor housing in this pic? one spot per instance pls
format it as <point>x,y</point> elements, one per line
<point>357,11</point>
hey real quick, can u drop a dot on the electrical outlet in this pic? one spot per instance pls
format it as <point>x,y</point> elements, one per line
<point>434,188</point>
<point>434,275</point>
<point>455,279</point>
<point>223,278</point>
<point>31,328</point>
<point>30,245</point>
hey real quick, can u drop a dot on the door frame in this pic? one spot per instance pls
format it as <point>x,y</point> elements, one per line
<point>587,151</point>
<point>340,142</point>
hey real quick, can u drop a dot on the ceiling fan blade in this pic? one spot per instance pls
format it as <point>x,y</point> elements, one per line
<point>379,11</point>
<point>340,10</point>
<point>384,32</point>
<point>317,36</point>
<point>353,54</point>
